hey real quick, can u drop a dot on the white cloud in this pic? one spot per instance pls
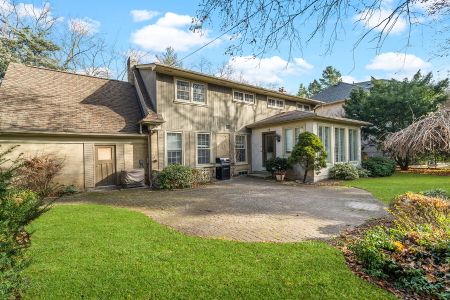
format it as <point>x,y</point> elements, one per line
<point>396,61</point>
<point>266,71</point>
<point>351,79</point>
<point>28,10</point>
<point>85,26</point>
<point>140,15</point>
<point>378,20</point>
<point>169,30</point>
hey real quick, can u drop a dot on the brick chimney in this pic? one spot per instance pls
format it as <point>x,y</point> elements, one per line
<point>131,63</point>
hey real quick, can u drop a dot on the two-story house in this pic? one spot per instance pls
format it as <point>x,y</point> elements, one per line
<point>163,115</point>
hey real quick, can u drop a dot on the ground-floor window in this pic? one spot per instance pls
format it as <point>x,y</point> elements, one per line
<point>297,133</point>
<point>241,148</point>
<point>288,139</point>
<point>325,136</point>
<point>174,148</point>
<point>203,148</point>
<point>339,144</point>
<point>352,144</point>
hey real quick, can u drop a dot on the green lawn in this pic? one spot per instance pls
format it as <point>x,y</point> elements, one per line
<point>92,251</point>
<point>386,188</point>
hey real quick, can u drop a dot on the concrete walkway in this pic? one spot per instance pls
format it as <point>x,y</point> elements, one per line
<point>248,209</point>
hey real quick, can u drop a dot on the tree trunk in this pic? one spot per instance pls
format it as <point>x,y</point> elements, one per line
<point>403,163</point>
<point>306,173</point>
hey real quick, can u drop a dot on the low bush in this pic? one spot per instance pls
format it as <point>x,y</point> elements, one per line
<point>38,174</point>
<point>175,177</point>
<point>379,166</point>
<point>413,252</point>
<point>18,208</point>
<point>436,193</point>
<point>277,164</point>
<point>344,171</point>
<point>363,173</point>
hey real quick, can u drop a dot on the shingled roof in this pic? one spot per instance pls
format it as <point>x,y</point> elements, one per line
<point>296,115</point>
<point>38,99</point>
<point>340,91</point>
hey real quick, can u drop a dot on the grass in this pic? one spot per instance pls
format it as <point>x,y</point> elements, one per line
<point>386,188</point>
<point>94,251</point>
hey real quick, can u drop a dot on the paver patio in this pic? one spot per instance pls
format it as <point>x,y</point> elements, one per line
<point>248,209</point>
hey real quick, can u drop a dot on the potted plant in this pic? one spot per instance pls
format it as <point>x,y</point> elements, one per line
<point>280,167</point>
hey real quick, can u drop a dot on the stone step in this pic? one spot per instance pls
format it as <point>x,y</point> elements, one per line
<point>260,174</point>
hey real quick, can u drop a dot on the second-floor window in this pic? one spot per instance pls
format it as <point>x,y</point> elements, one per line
<point>243,97</point>
<point>303,107</point>
<point>192,92</point>
<point>275,103</point>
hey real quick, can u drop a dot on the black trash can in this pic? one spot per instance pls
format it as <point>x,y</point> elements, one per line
<point>223,168</point>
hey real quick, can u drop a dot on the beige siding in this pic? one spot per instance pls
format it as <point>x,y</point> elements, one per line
<point>221,116</point>
<point>332,110</point>
<point>78,154</point>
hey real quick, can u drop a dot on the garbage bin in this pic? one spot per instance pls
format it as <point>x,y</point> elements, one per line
<point>223,168</point>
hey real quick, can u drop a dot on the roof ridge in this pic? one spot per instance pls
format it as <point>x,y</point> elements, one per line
<point>67,72</point>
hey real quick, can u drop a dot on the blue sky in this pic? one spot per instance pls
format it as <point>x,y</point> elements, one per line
<point>151,25</point>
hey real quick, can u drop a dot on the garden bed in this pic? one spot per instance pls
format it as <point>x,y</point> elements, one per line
<point>428,171</point>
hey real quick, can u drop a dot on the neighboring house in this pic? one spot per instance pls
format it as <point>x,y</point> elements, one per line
<point>335,96</point>
<point>101,126</point>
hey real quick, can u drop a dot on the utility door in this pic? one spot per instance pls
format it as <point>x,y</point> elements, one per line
<point>269,144</point>
<point>105,165</point>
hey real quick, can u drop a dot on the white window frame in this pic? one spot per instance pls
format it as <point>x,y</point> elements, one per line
<point>243,97</point>
<point>355,144</point>
<point>302,107</point>
<point>330,150</point>
<point>292,136</point>
<point>196,149</point>
<point>245,148</point>
<point>167,150</point>
<point>297,132</point>
<point>276,101</point>
<point>191,92</point>
<point>340,153</point>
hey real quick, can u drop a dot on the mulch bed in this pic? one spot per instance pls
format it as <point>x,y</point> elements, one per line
<point>428,171</point>
<point>343,240</point>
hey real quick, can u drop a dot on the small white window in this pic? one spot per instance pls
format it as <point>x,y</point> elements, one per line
<point>275,103</point>
<point>238,96</point>
<point>249,98</point>
<point>174,148</point>
<point>199,92</point>
<point>303,107</point>
<point>241,148</point>
<point>339,144</point>
<point>289,140</point>
<point>352,145</point>
<point>203,148</point>
<point>243,97</point>
<point>183,90</point>
<point>325,136</point>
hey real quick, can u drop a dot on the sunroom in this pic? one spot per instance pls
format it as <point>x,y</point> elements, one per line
<point>277,135</point>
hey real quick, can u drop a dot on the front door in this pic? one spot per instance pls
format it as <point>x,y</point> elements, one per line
<point>269,146</point>
<point>105,165</point>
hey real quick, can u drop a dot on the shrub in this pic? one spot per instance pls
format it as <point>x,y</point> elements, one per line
<point>68,190</point>
<point>277,164</point>
<point>363,173</point>
<point>175,177</point>
<point>379,166</point>
<point>344,171</point>
<point>38,173</point>
<point>436,193</point>
<point>413,252</point>
<point>200,176</point>
<point>18,208</point>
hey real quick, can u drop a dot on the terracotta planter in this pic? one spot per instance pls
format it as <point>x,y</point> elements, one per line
<point>280,176</point>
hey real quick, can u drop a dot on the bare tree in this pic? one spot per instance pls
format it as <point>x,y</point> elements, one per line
<point>268,24</point>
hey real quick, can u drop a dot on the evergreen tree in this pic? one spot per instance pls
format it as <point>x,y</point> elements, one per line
<point>27,47</point>
<point>314,88</point>
<point>170,58</point>
<point>330,76</point>
<point>302,91</point>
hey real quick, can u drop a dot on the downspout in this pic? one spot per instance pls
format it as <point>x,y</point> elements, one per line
<point>150,160</point>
